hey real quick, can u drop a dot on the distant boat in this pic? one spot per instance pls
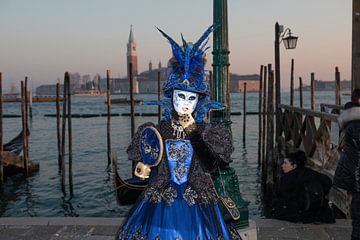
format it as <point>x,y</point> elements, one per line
<point>40,98</point>
<point>124,101</point>
<point>88,93</point>
<point>46,99</point>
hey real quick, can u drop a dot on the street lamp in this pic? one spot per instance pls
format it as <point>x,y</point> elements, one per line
<point>289,43</point>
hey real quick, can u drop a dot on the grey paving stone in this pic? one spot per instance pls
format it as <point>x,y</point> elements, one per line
<point>339,233</point>
<point>23,221</point>
<point>276,233</point>
<point>105,230</point>
<point>41,232</point>
<point>13,233</point>
<point>71,233</point>
<point>309,233</point>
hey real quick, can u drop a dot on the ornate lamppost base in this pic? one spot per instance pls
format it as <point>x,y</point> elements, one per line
<point>227,184</point>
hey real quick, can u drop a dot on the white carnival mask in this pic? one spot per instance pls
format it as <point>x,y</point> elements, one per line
<point>185,102</point>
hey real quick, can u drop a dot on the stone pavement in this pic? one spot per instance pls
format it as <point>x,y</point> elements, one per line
<point>40,228</point>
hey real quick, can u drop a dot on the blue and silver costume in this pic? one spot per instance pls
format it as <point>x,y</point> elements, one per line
<point>180,201</point>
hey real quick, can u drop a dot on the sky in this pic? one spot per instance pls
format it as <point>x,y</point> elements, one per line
<point>42,39</point>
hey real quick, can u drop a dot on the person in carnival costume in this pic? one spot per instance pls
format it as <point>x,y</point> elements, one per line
<point>180,201</point>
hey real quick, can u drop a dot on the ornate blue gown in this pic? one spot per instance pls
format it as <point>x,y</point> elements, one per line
<point>175,211</point>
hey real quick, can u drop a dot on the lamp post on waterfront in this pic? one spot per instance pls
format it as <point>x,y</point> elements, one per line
<point>289,43</point>
<point>227,182</point>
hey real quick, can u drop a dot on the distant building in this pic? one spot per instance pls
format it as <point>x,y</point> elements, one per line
<point>237,82</point>
<point>48,90</point>
<point>145,82</point>
<point>320,85</point>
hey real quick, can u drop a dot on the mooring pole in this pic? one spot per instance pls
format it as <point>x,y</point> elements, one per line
<point>260,115</point>
<point>27,119</point>
<point>337,87</point>
<point>292,83</point>
<point>264,113</point>
<point>132,113</point>
<point>312,88</point>
<point>30,103</point>
<point>1,136</point>
<point>158,95</point>
<point>270,133</point>
<point>58,124</point>
<point>67,80</point>
<point>23,114</point>
<point>108,116</point>
<point>301,92</point>
<point>244,115</point>
<point>63,137</point>
<point>211,84</point>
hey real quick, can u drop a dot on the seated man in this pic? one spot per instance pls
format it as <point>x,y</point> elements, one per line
<point>300,193</point>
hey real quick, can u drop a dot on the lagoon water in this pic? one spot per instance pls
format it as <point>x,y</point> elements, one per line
<point>94,194</point>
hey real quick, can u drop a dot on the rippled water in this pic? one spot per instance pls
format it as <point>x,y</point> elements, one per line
<point>94,194</point>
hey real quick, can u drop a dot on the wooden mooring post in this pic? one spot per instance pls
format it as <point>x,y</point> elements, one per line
<point>260,115</point>
<point>158,95</point>
<point>292,83</point>
<point>67,82</point>
<point>270,133</point>
<point>108,116</point>
<point>58,124</point>
<point>264,113</point>
<point>1,136</point>
<point>337,87</point>
<point>132,113</point>
<point>30,103</point>
<point>63,137</point>
<point>312,91</point>
<point>26,121</point>
<point>211,82</point>
<point>23,114</point>
<point>301,92</point>
<point>244,114</point>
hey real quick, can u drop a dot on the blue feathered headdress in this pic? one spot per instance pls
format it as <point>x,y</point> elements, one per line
<point>187,73</point>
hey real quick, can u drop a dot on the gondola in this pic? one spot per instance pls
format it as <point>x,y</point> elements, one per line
<point>12,161</point>
<point>15,145</point>
<point>128,190</point>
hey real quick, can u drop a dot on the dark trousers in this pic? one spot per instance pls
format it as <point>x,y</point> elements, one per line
<point>355,215</point>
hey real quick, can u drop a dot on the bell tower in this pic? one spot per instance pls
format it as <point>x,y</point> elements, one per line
<point>131,54</point>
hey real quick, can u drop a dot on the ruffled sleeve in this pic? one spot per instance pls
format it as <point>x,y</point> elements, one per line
<point>213,144</point>
<point>133,150</point>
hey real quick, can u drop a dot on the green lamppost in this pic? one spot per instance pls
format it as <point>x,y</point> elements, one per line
<point>221,93</point>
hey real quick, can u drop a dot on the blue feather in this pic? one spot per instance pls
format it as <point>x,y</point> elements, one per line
<point>166,104</point>
<point>201,39</point>
<point>204,106</point>
<point>176,49</point>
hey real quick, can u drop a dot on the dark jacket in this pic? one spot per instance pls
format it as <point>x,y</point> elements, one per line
<point>300,197</point>
<point>347,174</point>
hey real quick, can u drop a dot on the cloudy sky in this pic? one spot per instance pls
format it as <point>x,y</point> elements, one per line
<point>44,38</point>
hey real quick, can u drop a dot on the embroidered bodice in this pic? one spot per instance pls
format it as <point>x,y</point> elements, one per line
<point>179,154</point>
